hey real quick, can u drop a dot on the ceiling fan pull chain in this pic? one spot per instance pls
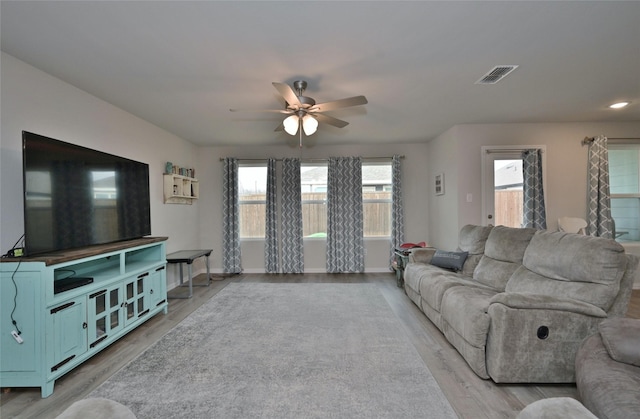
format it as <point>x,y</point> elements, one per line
<point>300,130</point>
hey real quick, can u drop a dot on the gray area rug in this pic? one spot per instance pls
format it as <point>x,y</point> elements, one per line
<point>267,350</point>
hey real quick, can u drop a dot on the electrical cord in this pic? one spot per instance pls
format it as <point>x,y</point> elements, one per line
<point>15,298</point>
<point>15,286</point>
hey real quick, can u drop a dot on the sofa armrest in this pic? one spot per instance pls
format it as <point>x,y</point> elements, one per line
<point>422,255</point>
<point>518,300</point>
<point>534,338</point>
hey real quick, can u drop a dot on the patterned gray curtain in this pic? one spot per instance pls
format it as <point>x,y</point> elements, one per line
<point>231,258</point>
<point>345,244</point>
<point>292,244</point>
<point>534,214</point>
<point>271,230</point>
<point>599,221</point>
<point>397,206</point>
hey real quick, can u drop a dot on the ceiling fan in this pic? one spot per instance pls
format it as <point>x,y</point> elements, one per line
<point>304,113</point>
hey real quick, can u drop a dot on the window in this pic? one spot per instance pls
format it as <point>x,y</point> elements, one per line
<point>376,200</point>
<point>252,198</point>
<point>624,179</point>
<point>313,179</point>
<point>376,195</point>
<point>508,192</point>
<point>502,186</point>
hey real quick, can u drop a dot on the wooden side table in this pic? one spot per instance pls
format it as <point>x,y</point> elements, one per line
<point>188,256</point>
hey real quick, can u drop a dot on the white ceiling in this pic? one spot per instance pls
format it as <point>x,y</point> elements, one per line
<point>181,65</point>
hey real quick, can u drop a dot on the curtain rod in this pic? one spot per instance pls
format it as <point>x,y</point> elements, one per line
<point>508,150</point>
<point>588,140</point>
<point>319,159</point>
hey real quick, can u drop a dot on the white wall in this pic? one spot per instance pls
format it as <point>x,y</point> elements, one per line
<point>566,167</point>
<point>414,183</point>
<point>32,100</point>
<point>35,101</point>
<point>443,209</point>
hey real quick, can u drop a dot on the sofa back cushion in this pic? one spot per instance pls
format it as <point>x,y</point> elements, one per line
<point>503,254</point>
<point>472,239</point>
<point>585,268</point>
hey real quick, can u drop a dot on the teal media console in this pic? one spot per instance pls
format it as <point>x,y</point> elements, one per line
<point>70,305</point>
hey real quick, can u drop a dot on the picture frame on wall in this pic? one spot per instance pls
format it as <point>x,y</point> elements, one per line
<point>439,184</point>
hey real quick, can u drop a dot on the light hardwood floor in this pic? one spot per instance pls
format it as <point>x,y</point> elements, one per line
<point>470,396</point>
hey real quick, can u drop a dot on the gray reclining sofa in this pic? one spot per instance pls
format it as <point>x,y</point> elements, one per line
<point>519,307</point>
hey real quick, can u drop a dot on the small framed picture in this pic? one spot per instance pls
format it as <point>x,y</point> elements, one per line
<point>439,183</point>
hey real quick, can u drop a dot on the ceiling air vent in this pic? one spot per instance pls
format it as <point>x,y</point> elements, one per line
<point>496,74</point>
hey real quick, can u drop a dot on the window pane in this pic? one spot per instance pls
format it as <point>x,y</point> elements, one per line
<point>624,170</point>
<point>377,219</point>
<point>624,179</point>
<point>626,214</point>
<point>376,199</point>
<point>508,195</point>
<point>313,179</point>
<point>252,192</point>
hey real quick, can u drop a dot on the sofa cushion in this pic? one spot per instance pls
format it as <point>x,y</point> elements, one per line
<point>503,254</point>
<point>421,255</point>
<point>449,260</point>
<point>465,310</point>
<point>433,287</point>
<point>575,257</point>
<point>606,387</point>
<point>472,239</point>
<point>585,268</point>
<point>621,337</point>
<point>556,408</point>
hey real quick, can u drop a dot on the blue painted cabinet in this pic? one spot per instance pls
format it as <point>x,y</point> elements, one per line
<point>66,326</point>
<point>70,305</point>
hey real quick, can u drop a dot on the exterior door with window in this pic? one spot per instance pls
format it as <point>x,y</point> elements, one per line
<point>502,188</point>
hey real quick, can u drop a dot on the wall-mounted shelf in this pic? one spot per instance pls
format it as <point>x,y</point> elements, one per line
<point>180,189</point>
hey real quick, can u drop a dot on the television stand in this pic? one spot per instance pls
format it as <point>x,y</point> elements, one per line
<point>66,320</point>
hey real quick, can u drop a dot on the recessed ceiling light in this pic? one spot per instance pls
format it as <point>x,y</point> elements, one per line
<point>619,105</point>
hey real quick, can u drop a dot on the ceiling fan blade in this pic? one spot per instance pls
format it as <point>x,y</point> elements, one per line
<point>285,111</point>
<point>279,127</point>
<point>341,103</point>
<point>330,120</point>
<point>287,93</point>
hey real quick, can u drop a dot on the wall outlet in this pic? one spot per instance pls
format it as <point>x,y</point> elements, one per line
<point>469,197</point>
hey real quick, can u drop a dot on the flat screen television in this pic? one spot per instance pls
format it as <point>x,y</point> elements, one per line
<point>76,197</point>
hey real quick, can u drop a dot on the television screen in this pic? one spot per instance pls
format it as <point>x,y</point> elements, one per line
<point>76,197</point>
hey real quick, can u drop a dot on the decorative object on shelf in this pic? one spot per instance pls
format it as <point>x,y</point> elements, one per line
<point>180,189</point>
<point>173,169</point>
<point>439,184</point>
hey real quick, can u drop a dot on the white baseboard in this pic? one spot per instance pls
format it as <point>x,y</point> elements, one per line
<point>318,271</point>
<point>171,285</point>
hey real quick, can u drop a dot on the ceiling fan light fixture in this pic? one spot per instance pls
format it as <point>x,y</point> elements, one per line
<point>309,124</point>
<point>619,105</point>
<point>291,124</point>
